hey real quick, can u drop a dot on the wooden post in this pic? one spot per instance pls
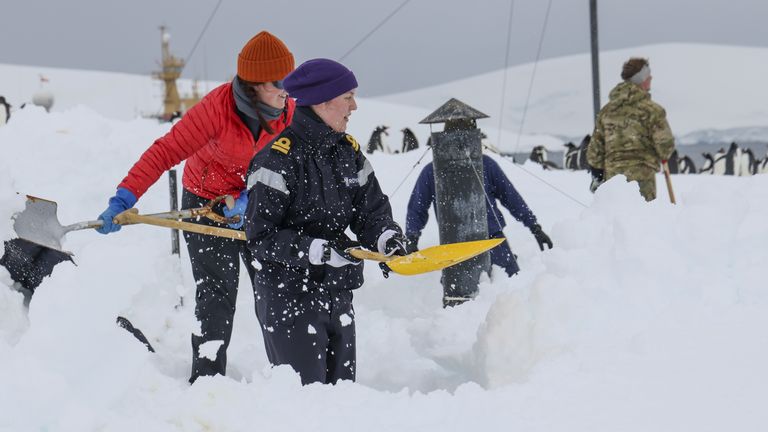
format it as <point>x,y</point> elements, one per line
<point>172,184</point>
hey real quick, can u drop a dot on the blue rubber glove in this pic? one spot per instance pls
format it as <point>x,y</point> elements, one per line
<point>122,201</point>
<point>238,210</point>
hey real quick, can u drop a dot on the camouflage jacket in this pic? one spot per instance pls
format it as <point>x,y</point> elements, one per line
<point>631,134</point>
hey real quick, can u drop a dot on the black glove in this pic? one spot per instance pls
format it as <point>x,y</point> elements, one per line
<point>598,177</point>
<point>396,245</point>
<point>336,249</point>
<point>541,237</point>
<point>413,243</point>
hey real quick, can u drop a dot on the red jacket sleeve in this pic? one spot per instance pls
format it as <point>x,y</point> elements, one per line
<point>196,129</point>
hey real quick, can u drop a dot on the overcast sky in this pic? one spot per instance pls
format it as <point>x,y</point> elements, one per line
<point>426,42</point>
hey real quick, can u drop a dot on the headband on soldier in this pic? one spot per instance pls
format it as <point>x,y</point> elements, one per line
<point>641,75</point>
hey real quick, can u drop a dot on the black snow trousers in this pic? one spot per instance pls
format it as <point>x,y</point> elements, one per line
<point>312,331</point>
<point>28,263</point>
<point>216,269</point>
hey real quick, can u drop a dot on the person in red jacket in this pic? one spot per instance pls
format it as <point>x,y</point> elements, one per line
<point>217,138</point>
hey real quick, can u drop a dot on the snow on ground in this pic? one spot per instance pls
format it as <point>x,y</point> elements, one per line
<point>116,95</point>
<point>643,316</point>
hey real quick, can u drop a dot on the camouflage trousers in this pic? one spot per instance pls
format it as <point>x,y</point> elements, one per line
<point>647,188</point>
<point>645,178</point>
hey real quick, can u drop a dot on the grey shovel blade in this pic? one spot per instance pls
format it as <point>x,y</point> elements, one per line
<point>39,224</point>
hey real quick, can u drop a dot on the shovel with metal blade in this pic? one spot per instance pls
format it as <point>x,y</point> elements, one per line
<point>39,224</point>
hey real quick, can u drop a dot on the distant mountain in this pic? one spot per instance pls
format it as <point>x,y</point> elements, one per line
<point>757,134</point>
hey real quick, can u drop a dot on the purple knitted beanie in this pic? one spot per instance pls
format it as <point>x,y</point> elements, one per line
<point>319,80</point>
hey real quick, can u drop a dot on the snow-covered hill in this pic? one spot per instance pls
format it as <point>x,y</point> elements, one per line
<point>708,87</point>
<point>712,93</point>
<point>643,317</point>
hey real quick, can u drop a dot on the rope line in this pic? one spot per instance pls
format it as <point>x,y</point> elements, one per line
<point>506,158</point>
<point>410,172</point>
<point>205,27</point>
<point>506,65</point>
<point>533,74</point>
<point>360,42</point>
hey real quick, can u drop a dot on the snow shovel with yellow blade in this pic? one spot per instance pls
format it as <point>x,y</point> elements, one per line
<point>432,258</point>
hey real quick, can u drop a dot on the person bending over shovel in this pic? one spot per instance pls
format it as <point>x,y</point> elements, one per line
<point>306,188</point>
<point>217,137</point>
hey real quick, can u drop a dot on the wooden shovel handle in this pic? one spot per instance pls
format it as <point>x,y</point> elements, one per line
<point>668,179</point>
<point>368,255</point>
<point>132,216</point>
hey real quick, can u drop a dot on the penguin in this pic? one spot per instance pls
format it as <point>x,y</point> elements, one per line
<point>539,155</point>
<point>686,165</point>
<point>714,164</point>
<point>762,166</point>
<point>681,165</point>
<point>375,142</point>
<point>732,160</point>
<point>709,164</point>
<point>673,163</point>
<point>583,147</point>
<point>409,141</point>
<point>571,157</point>
<point>5,111</point>
<point>747,163</point>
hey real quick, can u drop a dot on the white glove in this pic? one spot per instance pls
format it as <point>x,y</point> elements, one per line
<point>321,252</point>
<point>391,242</point>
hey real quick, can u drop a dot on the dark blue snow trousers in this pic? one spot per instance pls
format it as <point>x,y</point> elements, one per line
<point>312,331</point>
<point>503,257</point>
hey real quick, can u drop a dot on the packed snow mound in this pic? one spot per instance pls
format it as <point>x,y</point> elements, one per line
<point>644,316</point>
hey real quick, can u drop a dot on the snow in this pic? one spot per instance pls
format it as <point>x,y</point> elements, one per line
<point>644,316</point>
<point>210,349</point>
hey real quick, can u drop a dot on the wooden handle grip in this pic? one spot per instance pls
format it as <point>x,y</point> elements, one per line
<point>368,255</point>
<point>131,216</point>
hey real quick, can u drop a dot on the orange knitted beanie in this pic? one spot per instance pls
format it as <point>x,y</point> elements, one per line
<point>264,58</point>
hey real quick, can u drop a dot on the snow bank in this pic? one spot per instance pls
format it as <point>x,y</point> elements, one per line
<point>643,316</point>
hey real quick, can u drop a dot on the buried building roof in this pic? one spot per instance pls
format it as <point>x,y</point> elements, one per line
<point>454,109</point>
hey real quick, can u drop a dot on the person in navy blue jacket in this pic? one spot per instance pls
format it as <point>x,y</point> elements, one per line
<point>498,187</point>
<point>305,189</point>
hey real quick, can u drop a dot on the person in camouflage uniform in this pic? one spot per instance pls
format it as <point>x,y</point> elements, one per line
<point>631,135</point>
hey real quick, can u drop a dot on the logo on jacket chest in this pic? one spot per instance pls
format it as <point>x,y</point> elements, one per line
<point>351,181</point>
